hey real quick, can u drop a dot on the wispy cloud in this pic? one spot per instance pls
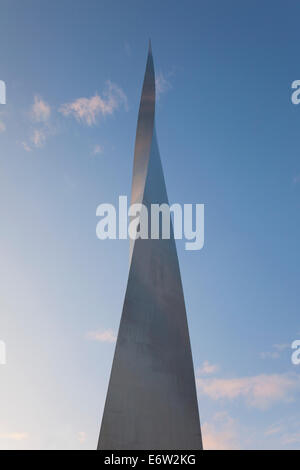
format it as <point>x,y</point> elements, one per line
<point>36,140</point>
<point>14,436</point>
<point>282,346</point>
<point>207,368</point>
<point>87,110</point>
<point>286,431</point>
<point>273,430</point>
<point>220,433</point>
<point>104,336</point>
<point>2,126</point>
<point>269,355</point>
<point>97,149</point>
<point>40,113</point>
<point>26,147</point>
<point>40,110</point>
<point>275,353</point>
<point>259,391</point>
<point>38,137</point>
<point>162,84</point>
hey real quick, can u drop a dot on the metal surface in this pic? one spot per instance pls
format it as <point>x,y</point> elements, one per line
<point>151,401</point>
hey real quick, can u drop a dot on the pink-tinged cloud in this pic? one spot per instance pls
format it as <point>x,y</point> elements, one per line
<point>207,368</point>
<point>259,391</point>
<point>26,147</point>
<point>2,126</point>
<point>38,137</point>
<point>37,140</point>
<point>104,336</point>
<point>40,110</point>
<point>220,433</point>
<point>40,115</point>
<point>87,110</point>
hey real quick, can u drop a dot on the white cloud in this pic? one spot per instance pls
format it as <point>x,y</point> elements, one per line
<point>162,85</point>
<point>207,368</point>
<point>259,391</point>
<point>2,126</point>
<point>87,110</point>
<point>104,336</point>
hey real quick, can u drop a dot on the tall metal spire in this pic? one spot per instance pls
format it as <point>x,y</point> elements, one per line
<point>151,400</point>
<point>144,135</point>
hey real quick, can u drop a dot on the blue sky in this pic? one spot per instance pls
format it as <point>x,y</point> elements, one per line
<point>228,136</point>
